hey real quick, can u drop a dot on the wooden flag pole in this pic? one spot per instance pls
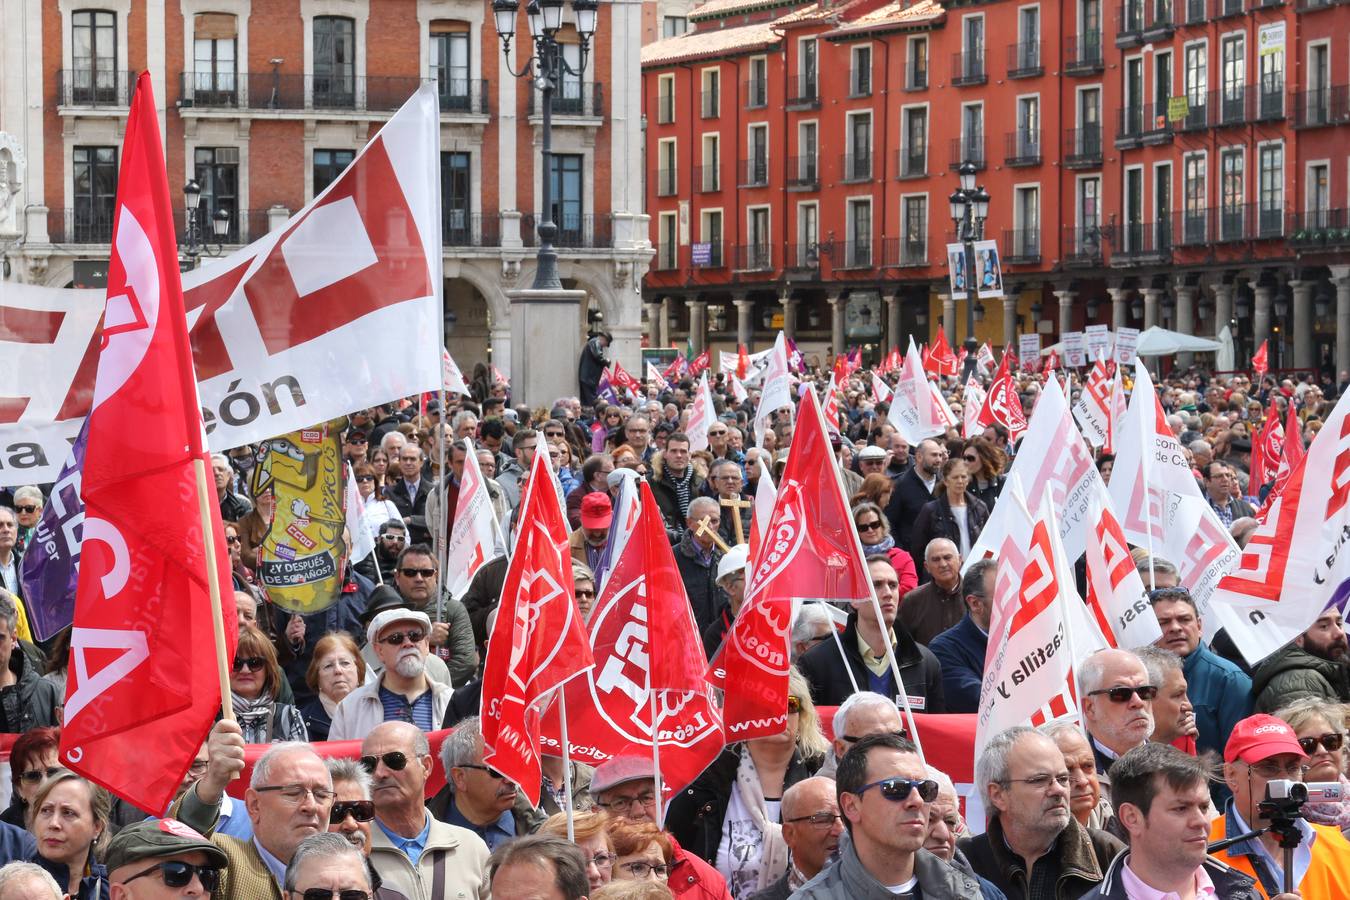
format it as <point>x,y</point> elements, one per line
<point>213,585</point>
<point>567,760</point>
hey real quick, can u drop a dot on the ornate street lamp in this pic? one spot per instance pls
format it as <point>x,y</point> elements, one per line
<point>969,209</point>
<point>195,239</point>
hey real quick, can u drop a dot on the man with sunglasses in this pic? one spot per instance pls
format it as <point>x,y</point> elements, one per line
<point>160,859</point>
<point>325,867</point>
<point>403,692</point>
<point>1117,704</point>
<point>411,850</point>
<point>418,582</point>
<point>353,810</point>
<point>1260,750</point>
<point>1033,847</point>
<point>476,796</point>
<point>885,797</point>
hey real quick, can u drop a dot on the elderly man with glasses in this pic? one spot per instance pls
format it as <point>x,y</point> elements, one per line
<point>476,796</point>
<point>402,692</point>
<point>811,829</point>
<point>162,859</point>
<point>325,867</point>
<point>1117,697</point>
<point>1033,847</point>
<point>412,851</point>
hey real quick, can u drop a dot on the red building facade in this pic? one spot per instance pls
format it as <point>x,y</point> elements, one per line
<point>1172,162</point>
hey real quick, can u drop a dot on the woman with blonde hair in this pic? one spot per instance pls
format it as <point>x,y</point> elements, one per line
<point>69,817</point>
<point>1319,727</point>
<point>730,816</point>
<point>590,832</point>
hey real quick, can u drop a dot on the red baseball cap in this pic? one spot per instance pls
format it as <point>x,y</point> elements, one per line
<point>1260,737</point>
<point>595,510</point>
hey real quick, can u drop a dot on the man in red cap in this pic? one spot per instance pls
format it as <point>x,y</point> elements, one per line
<point>1260,750</point>
<point>588,542</point>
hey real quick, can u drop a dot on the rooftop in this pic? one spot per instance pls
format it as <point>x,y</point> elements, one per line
<point>715,42</point>
<point>892,15</point>
<point>716,9</point>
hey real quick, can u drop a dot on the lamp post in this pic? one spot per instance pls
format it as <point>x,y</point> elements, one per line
<point>547,67</point>
<point>195,238</point>
<point>969,209</point>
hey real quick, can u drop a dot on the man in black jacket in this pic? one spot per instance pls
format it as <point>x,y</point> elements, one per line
<point>27,700</point>
<point>864,665</point>
<point>914,490</point>
<point>697,558</point>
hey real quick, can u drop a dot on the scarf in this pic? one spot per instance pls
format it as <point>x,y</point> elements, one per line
<point>254,717</point>
<point>683,487</point>
<point>773,859</point>
<point>880,548</point>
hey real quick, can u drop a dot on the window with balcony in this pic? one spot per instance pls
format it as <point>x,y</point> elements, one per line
<point>971,142</point>
<point>1271,97</point>
<point>570,98</point>
<point>213,59</point>
<point>757,88</point>
<point>95,194</point>
<point>914,146</point>
<point>568,200</point>
<point>334,62</point>
<point>666,172</point>
<point>328,165</point>
<point>1317,195</point>
<point>1193,221</point>
<point>970,61</point>
<point>1086,146</point>
<point>808,236</point>
<point>1197,86</point>
<point>1085,52</point>
<point>1232,103</point>
<point>668,246</point>
<point>216,170</point>
<point>1087,203</point>
<point>804,170</point>
<point>1162,90</point>
<point>858,159</point>
<point>1025,55</point>
<point>455,199</point>
<point>1232,195</point>
<point>757,232</point>
<point>1313,106</point>
<point>860,75</point>
<point>807,90</point>
<point>674,26</point>
<point>757,164</point>
<point>710,229</point>
<point>1026,236</point>
<point>1270,172</point>
<point>712,93</point>
<point>859,252</point>
<point>1024,145</point>
<point>1132,113</point>
<point>665,99</point>
<point>94,55</point>
<point>914,220</point>
<point>916,68</point>
<point>450,64</point>
<point>712,163</point>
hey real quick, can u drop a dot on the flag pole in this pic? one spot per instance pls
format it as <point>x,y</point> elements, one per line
<point>656,755</point>
<point>834,632</point>
<point>213,586</point>
<point>1144,467</point>
<point>567,759</point>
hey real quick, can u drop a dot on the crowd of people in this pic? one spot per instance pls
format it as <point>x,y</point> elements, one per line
<point>1176,747</point>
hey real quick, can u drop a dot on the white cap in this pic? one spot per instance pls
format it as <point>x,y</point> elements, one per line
<point>734,560</point>
<point>390,616</point>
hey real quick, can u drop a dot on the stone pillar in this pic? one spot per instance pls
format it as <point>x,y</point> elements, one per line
<point>1065,299</point>
<point>1120,307</point>
<point>500,339</point>
<point>544,369</point>
<point>654,313</point>
<point>949,318</point>
<point>698,330</point>
<point>892,324</point>
<point>838,301</point>
<point>1303,323</point>
<point>665,322</point>
<point>1223,307</point>
<point>1261,317</point>
<point>790,305</point>
<point>1152,296</point>
<point>745,321</point>
<point>1185,318</point>
<point>1010,319</point>
<point>1340,276</point>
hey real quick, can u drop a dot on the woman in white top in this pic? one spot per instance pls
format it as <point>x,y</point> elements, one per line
<point>377,511</point>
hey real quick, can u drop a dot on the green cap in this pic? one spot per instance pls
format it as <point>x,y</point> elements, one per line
<point>156,838</point>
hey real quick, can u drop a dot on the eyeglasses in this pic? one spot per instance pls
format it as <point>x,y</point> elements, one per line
<point>198,767</point>
<point>819,820</point>
<point>326,894</point>
<point>1270,770</point>
<point>232,539</point>
<point>1122,694</point>
<point>897,790</point>
<point>360,810</point>
<point>27,508</point>
<point>621,804</point>
<point>580,593</point>
<point>971,459</point>
<point>178,874</point>
<point>1330,742</point>
<point>249,663</point>
<point>413,636</point>
<point>553,434</point>
<point>794,704</point>
<point>416,573</point>
<point>394,760</point>
<point>35,775</point>
<point>492,773</point>
<point>1042,782</point>
<point>869,526</point>
<point>294,793</point>
<point>640,870</point>
<point>853,739</point>
<point>396,538</point>
<point>603,860</point>
<point>718,433</point>
<point>365,477</point>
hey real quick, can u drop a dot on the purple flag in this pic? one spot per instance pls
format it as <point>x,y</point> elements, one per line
<point>604,389</point>
<point>51,564</point>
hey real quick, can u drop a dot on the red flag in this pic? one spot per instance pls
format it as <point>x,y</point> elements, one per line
<point>1259,361</point>
<point>642,634</point>
<point>941,360</point>
<point>143,687</point>
<point>832,406</point>
<point>1267,453</point>
<point>742,362</point>
<point>700,363</point>
<point>675,370</point>
<point>813,552</point>
<point>1052,362</point>
<point>840,368</point>
<point>1291,455</point>
<point>539,640</point>
<point>1002,405</point>
<point>620,377</point>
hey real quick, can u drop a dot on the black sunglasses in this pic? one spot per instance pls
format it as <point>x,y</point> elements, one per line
<point>326,894</point>
<point>27,508</point>
<point>1330,742</point>
<point>37,775</point>
<point>898,789</point>
<point>178,874</point>
<point>254,663</point>
<point>413,636</point>
<point>394,760</point>
<point>360,810</point>
<point>492,773</point>
<point>1123,694</point>
<point>408,572</point>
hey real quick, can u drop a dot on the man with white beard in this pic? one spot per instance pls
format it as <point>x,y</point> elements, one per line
<point>403,692</point>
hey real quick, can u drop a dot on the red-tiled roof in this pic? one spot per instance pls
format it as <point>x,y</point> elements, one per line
<point>714,9</point>
<point>711,43</point>
<point>892,15</point>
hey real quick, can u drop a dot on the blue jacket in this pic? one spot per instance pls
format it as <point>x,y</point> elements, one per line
<point>1221,694</point>
<point>16,844</point>
<point>960,649</point>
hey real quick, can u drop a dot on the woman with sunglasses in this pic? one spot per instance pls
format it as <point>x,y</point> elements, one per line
<point>32,758</point>
<point>1320,728</point>
<point>956,514</point>
<point>377,509</point>
<point>730,815</point>
<point>255,681</point>
<point>874,530</point>
<point>69,817</point>
<point>335,670</point>
<point>986,463</point>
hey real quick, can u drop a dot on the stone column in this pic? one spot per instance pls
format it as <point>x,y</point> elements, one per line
<point>1010,319</point>
<point>949,318</point>
<point>1340,276</point>
<point>665,322</point>
<point>790,305</point>
<point>1261,317</point>
<point>1065,299</point>
<point>1120,307</point>
<point>1185,318</point>
<point>838,300</point>
<point>1151,298</point>
<point>892,324</point>
<point>1223,306</point>
<point>1303,323</point>
<point>698,331</point>
<point>654,313</point>
<point>745,321</point>
<point>500,338</point>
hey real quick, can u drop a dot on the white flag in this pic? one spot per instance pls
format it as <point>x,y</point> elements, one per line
<point>701,414</point>
<point>655,377</point>
<point>474,537</point>
<point>1116,593</point>
<point>363,544</point>
<point>777,391</point>
<point>738,391</point>
<point>451,376</point>
<point>917,408</point>
<point>972,402</point>
<point>1093,409</point>
<point>881,392</point>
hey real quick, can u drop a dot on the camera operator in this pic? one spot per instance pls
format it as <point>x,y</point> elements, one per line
<point>1260,750</point>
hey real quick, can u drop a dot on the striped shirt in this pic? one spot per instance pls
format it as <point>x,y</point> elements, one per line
<point>398,709</point>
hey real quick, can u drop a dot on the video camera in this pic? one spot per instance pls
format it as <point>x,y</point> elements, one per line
<point>1284,801</point>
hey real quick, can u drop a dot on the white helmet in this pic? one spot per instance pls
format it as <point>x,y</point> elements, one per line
<point>734,560</point>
